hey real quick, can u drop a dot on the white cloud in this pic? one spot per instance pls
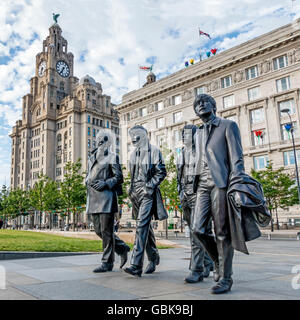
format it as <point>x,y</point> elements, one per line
<point>105,31</point>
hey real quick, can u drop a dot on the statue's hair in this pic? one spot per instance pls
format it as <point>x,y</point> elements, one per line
<point>205,97</point>
<point>138,127</point>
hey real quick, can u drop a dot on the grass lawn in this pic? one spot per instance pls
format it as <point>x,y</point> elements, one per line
<point>15,240</point>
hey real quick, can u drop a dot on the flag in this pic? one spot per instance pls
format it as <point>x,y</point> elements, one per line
<point>186,63</point>
<point>213,51</point>
<point>204,34</point>
<point>192,61</point>
<point>144,68</point>
<point>208,54</point>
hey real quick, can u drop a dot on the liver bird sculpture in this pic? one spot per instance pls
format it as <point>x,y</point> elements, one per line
<point>55,16</point>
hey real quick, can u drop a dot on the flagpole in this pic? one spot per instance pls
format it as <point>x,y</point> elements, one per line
<point>139,75</point>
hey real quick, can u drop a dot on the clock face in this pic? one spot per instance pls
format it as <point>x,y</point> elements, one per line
<point>42,68</point>
<point>62,69</point>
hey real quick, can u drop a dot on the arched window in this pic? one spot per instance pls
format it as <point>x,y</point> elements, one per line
<point>38,112</point>
<point>66,135</point>
<point>59,137</point>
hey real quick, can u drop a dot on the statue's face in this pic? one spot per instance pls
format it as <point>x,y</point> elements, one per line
<point>103,142</point>
<point>204,107</point>
<point>138,138</point>
<point>187,137</point>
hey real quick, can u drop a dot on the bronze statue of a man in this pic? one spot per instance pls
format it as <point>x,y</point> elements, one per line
<point>103,180</point>
<point>200,263</point>
<point>147,171</point>
<point>220,155</point>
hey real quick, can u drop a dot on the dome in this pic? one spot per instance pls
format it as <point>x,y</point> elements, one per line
<point>87,79</point>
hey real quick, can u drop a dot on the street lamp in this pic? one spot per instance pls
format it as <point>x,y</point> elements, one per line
<point>294,149</point>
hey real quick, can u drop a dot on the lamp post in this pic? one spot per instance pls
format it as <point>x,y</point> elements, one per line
<point>294,149</point>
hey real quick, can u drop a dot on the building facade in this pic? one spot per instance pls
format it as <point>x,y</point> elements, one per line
<point>60,116</point>
<point>251,84</point>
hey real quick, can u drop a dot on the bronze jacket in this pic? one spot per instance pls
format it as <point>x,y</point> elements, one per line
<point>109,170</point>
<point>155,172</point>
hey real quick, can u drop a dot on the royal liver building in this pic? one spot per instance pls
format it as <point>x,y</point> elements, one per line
<point>60,116</point>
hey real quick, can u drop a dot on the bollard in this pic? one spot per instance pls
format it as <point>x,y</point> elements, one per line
<point>269,236</point>
<point>298,236</point>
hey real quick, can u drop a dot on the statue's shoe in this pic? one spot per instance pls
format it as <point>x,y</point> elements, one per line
<point>194,277</point>
<point>223,286</point>
<point>134,271</point>
<point>104,267</point>
<point>124,257</point>
<point>152,265</point>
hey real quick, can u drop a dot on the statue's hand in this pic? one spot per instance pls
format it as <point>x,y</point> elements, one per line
<point>99,185</point>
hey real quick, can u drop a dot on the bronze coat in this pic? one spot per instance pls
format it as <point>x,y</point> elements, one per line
<point>109,170</point>
<point>155,172</point>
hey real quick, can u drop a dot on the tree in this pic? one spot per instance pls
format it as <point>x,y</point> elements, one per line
<point>3,202</point>
<point>17,203</point>
<point>278,189</point>
<point>169,186</point>
<point>124,198</point>
<point>52,198</point>
<point>38,196</point>
<point>72,189</point>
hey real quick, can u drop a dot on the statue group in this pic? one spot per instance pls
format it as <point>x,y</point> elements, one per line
<point>222,205</point>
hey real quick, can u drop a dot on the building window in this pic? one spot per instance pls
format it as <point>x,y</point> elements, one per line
<point>176,100</point>
<point>226,82</point>
<point>289,159</point>
<point>287,104</point>
<point>70,143</point>
<point>159,106</point>
<point>257,115</point>
<point>70,119</point>
<point>160,122</point>
<point>177,116</point>
<point>58,159</point>
<point>127,116</point>
<point>160,139</point>
<point>107,124</point>
<point>89,131</point>
<point>260,162</point>
<point>228,101</point>
<point>232,118</point>
<point>177,137</point>
<point>89,143</point>
<point>94,132</point>
<point>59,137</point>
<point>251,73</point>
<point>70,131</point>
<point>70,156</point>
<point>285,135</point>
<point>58,172</point>
<point>253,93</point>
<point>143,112</point>
<point>283,84</point>
<point>200,90</point>
<point>259,141</point>
<point>280,62</point>
<point>89,119</point>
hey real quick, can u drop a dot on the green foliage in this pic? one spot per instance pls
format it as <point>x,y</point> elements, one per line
<point>72,188</point>
<point>168,187</point>
<point>278,188</point>
<point>123,199</point>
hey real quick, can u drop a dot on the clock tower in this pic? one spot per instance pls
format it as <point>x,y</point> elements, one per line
<point>61,116</point>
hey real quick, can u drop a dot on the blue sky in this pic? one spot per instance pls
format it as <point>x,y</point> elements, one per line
<point>110,38</point>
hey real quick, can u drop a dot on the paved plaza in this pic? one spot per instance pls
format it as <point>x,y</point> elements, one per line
<point>265,274</point>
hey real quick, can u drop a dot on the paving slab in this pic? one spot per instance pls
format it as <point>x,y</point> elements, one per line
<point>264,274</point>
<point>74,290</point>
